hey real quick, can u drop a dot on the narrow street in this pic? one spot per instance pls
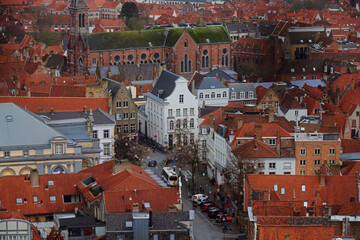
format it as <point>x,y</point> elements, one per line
<point>204,228</point>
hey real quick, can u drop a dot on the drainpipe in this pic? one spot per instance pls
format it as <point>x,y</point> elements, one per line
<point>346,226</point>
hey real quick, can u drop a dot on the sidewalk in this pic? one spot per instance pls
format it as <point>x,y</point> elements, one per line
<point>209,190</point>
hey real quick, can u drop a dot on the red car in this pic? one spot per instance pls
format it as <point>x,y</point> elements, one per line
<point>205,207</point>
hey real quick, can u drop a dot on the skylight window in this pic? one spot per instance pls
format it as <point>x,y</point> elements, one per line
<point>292,70</point>
<point>310,41</point>
<point>314,69</point>
<point>51,183</point>
<point>212,87</point>
<point>303,69</point>
<point>302,41</point>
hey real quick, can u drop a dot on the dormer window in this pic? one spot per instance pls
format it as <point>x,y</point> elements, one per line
<point>58,148</point>
<point>250,94</point>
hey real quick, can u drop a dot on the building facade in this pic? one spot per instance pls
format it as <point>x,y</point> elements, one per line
<point>315,149</point>
<point>171,112</point>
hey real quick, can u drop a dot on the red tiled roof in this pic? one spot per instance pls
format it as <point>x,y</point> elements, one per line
<point>110,4</point>
<point>216,115</point>
<point>352,168</point>
<point>159,199</point>
<point>349,99</point>
<point>296,232</point>
<point>336,191</point>
<point>350,145</point>
<point>63,184</point>
<point>311,104</point>
<point>255,149</point>
<point>267,130</point>
<point>260,92</point>
<point>18,215</point>
<point>350,208</point>
<point>58,104</point>
<point>314,92</point>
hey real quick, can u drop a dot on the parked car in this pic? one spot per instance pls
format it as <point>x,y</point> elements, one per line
<point>213,212</point>
<point>198,198</point>
<point>152,163</point>
<point>205,207</point>
<point>206,201</point>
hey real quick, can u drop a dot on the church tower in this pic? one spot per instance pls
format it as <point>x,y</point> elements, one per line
<point>77,47</point>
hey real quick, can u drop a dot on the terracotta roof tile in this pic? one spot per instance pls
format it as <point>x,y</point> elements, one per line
<point>255,149</point>
<point>38,104</point>
<point>350,145</point>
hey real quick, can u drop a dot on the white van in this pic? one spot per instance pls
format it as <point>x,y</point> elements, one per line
<point>198,198</point>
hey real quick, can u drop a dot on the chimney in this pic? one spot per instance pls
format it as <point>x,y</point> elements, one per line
<point>240,123</point>
<point>211,120</point>
<point>294,198</point>
<point>258,131</point>
<point>330,210</point>
<point>193,86</point>
<point>28,92</point>
<point>337,97</point>
<point>34,178</point>
<point>85,109</point>
<point>52,111</point>
<point>271,115</point>
<point>322,179</point>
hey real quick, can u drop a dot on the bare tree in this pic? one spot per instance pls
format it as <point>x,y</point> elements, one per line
<point>127,147</point>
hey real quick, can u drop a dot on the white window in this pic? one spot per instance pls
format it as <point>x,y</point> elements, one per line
<point>7,154</point>
<point>317,151</point>
<point>276,105</point>
<point>52,199</point>
<point>191,123</point>
<point>132,128</point>
<point>250,94</point>
<point>224,94</point>
<point>272,141</point>
<point>126,104</point>
<point>302,162</point>
<point>272,165</point>
<point>302,172</point>
<point>126,115</point>
<point>305,204</point>
<point>51,183</point>
<point>133,115</point>
<point>282,191</point>
<point>275,187</point>
<point>19,200</point>
<point>172,236</point>
<point>233,95</point>
<point>206,95</point>
<point>178,112</point>
<point>170,113</point>
<point>242,95</point>
<point>58,148</point>
<point>317,162</point>
<point>107,148</point>
<point>303,187</point>
<point>126,130</point>
<point>106,133</point>
<point>303,151</point>
<point>94,61</point>
<point>184,111</point>
<point>201,95</point>
<point>264,105</point>
<point>332,151</point>
<point>287,165</point>
<point>35,199</point>
<point>26,153</point>
<point>181,98</point>
<point>191,111</point>
<point>118,104</point>
<point>332,161</point>
<point>171,125</point>
<point>95,134</point>
<point>212,95</point>
<point>118,116</point>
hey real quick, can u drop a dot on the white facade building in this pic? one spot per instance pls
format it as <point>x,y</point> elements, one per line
<point>171,111</point>
<point>278,166</point>
<point>212,92</point>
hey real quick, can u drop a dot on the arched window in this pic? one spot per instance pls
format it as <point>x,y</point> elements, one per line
<point>233,95</point>
<point>58,169</point>
<point>185,123</point>
<point>191,123</point>
<point>80,21</point>
<point>242,95</point>
<point>178,124</point>
<point>201,95</point>
<point>185,44</point>
<point>171,124</point>
<point>205,59</point>
<point>185,65</point>
<point>224,94</point>
<point>250,94</point>
<point>212,95</point>
<point>83,20</point>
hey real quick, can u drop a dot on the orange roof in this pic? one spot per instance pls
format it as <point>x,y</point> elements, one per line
<point>110,4</point>
<point>314,92</point>
<point>255,149</point>
<point>59,104</point>
<point>348,100</point>
<point>63,185</point>
<point>296,232</point>
<point>159,199</point>
<point>18,215</point>
<point>260,92</point>
<point>350,145</point>
<point>336,191</point>
<point>267,130</point>
<point>216,115</point>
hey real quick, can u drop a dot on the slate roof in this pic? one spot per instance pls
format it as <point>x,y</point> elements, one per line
<point>100,116</point>
<point>210,83</point>
<point>116,221</point>
<point>220,73</point>
<point>156,37</point>
<point>165,84</point>
<point>24,128</point>
<point>75,129</point>
<point>242,87</point>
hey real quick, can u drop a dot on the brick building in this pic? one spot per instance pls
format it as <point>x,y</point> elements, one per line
<point>315,149</point>
<point>182,50</point>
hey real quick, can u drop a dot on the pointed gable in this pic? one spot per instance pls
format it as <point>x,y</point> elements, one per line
<point>255,149</point>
